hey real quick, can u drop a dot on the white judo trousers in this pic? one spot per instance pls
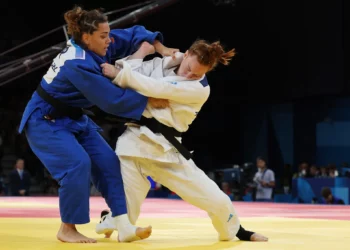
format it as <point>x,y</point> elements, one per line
<point>143,153</point>
<point>182,177</point>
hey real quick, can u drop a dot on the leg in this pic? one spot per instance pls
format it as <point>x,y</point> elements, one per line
<point>106,176</point>
<point>69,164</point>
<point>136,188</point>
<point>195,187</point>
<point>245,235</point>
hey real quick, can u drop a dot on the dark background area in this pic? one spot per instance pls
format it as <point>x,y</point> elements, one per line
<point>287,52</point>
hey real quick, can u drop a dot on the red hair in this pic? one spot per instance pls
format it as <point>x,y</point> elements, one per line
<point>211,54</point>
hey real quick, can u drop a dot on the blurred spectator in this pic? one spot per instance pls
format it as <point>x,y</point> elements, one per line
<point>225,187</point>
<point>303,171</point>
<point>313,172</point>
<point>19,180</point>
<point>323,172</point>
<point>329,198</point>
<point>333,172</point>
<point>265,180</point>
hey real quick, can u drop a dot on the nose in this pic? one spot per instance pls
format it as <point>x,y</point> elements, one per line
<point>109,40</point>
<point>189,75</point>
<point>192,76</point>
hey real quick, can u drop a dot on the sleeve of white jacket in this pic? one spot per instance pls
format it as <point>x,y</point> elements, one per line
<point>181,92</point>
<point>143,67</point>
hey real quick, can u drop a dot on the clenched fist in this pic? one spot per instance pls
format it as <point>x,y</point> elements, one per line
<point>109,70</point>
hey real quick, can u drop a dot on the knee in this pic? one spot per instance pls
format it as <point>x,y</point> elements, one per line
<point>109,164</point>
<point>79,171</point>
<point>111,157</point>
<point>223,201</point>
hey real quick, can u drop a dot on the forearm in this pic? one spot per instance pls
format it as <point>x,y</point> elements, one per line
<point>269,184</point>
<point>156,88</point>
<point>159,46</point>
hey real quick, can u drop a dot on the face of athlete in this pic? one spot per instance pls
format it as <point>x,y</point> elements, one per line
<point>99,40</point>
<point>191,68</point>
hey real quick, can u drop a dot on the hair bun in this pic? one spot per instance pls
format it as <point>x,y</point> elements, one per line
<point>73,18</point>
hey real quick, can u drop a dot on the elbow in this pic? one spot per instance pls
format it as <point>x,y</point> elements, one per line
<point>111,107</point>
<point>129,105</point>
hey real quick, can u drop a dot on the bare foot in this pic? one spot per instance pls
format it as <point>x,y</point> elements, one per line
<point>144,232</point>
<point>108,234</point>
<point>140,234</point>
<point>258,237</point>
<point>68,233</point>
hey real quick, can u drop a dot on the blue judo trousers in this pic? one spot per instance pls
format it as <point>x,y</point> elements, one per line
<point>73,157</point>
<point>73,151</point>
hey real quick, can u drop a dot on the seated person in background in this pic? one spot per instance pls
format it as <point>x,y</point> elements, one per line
<point>329,198</point>
<point>19,180</point>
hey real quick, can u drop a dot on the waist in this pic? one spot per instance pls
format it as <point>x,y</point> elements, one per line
<point>157,127</point>
<point>59,108</point>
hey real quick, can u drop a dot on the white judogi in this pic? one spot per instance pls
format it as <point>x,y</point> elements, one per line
<point>143,153</point>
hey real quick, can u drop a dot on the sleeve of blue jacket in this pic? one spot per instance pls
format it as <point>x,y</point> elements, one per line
<point>101,92</point>
<point>126,41</point>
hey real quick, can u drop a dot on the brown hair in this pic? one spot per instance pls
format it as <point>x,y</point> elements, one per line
<point>211,54</point>
<point>81,21</point>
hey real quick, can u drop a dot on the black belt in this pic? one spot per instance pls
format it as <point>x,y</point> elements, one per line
<point>168,132</point>
<point>63,110</point>
<point>60,109</point>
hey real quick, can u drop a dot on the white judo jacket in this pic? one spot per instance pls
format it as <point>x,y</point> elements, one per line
<point>156,78</point>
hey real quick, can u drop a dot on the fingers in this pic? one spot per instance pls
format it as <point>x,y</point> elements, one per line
<point>173,55</point>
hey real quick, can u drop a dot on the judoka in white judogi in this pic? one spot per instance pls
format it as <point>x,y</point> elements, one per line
<point>143,153</point>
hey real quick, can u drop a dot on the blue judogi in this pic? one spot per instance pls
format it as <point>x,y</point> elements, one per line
<point>73,151</point>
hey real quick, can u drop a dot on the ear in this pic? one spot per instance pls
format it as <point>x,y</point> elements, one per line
<point>86,38</point>
<point>186,54</point>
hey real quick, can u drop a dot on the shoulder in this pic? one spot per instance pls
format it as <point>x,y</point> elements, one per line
<point>74,56</point>
<point>270,172</point>
<point>204,81</point>
<point>72,52</point>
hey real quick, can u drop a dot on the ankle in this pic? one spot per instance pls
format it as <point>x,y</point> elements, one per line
<point>122,221</point>
<point>67,226</point>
